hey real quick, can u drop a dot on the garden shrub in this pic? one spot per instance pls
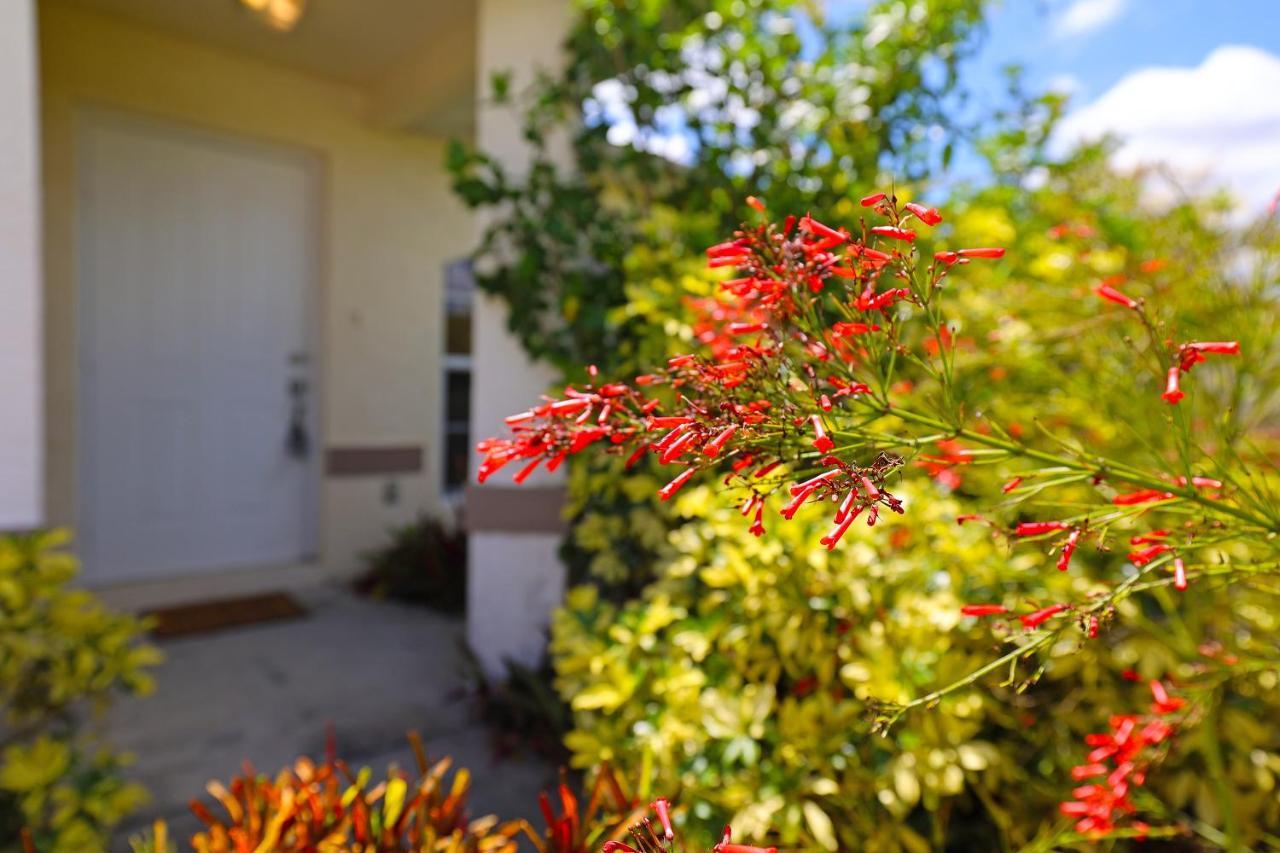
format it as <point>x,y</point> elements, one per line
<point>425,562</point>
<point>1024,361</point>
<point>326,806</point>
<point>744,677</point>
<point>1035,397</point>
<point>63,657</point>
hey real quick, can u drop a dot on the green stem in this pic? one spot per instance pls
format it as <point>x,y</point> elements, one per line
<point>1098,465</point>
<point>1212,748</point>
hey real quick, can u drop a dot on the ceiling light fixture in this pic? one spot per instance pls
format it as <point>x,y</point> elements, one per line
<point>282,15</point>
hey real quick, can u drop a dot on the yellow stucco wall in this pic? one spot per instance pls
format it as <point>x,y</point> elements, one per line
<point>389,226</point>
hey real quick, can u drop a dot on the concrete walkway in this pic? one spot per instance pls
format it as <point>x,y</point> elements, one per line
<point>265,694</point>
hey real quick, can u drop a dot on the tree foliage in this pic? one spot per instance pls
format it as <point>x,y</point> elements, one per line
<point>677,110</point>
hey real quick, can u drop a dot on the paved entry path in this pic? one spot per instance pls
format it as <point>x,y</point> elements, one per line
<point>265,693</point>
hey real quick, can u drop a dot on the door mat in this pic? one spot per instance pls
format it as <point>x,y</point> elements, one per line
<point>207,616</point>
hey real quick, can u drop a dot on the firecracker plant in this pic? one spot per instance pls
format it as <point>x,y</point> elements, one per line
<point>829,371</point>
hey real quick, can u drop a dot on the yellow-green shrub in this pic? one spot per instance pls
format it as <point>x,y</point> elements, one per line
<point>62,656</point>
<point>745,681</point>
<point>692,677</point>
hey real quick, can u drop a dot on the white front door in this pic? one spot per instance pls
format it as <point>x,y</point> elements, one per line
<point>196,272</point>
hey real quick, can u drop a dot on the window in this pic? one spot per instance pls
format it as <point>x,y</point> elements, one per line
<point>458,289</point>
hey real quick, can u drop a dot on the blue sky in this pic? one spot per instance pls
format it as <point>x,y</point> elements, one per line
<point>1195,83</point>
<point>1111,38</point>
<point>1190,84</point>
<point>1097,43</point>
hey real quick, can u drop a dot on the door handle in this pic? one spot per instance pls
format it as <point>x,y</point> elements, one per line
<point>297,441</point>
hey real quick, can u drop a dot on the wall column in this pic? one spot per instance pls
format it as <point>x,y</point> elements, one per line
<point>514,574</point>
<point>21,442</point>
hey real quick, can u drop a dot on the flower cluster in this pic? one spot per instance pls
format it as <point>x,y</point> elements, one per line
<point>1183,357</point>
<point>1188,356</point>
<point>809,308</point>
<point>1118,763</point>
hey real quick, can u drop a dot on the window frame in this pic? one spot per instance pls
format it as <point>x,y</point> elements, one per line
<point>458,298</point>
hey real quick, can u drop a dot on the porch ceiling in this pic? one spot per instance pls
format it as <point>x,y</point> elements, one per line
<point>416,58</point>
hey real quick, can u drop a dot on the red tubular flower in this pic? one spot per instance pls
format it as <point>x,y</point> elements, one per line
<point>1172,393</point>
<point>873,493</point>
<point>1109,293</point>
<point>733,247</point>
<point>894,233</point>
<point>840,330</point>
<point>816,228</point>
<point>821,440</point>
<point>983,609</point>
<point>677,448</point>
<point>789,510</point>
<point>1146,555</point>
<point>1200,482</point>
<point>837,532</point>
<point>523,473</point>
<point>846,505</point>
<point>764,470</point>
<point>1011,485</point>
<point>990,253</point>
<point>746,328</point>
<point>814,482</point>
<point>618,847</point>
<point>674,486</point>
<point>1035,620</point>
<point>715,445</point>
<point>1141,496</point>
<point>1068,548</point>
<point>1164,703</point>
<point>1037,528</point>
<point>755,203</point>
<point>1148,538</point>
<point>636,456</point>
<point>947,258</point>
<point>1087,771</point>
<point>927,215</point>
<point>1179,574</point>
<point>873,199</point>
<point>565,407</point>
<point>663,807</point>
<point>1215,347</point>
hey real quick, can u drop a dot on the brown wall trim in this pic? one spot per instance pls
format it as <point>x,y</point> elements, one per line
<point>370,461</point>
<point>495,509</point>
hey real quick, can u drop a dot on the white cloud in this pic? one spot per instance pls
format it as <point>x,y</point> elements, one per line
<point>1064,84</point>
<point>1085,16</point>
<point>1214,125</point>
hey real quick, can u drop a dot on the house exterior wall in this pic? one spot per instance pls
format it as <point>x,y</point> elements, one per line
<point>20,362</point>
<point>515,576</point>
<point>389,225</point>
